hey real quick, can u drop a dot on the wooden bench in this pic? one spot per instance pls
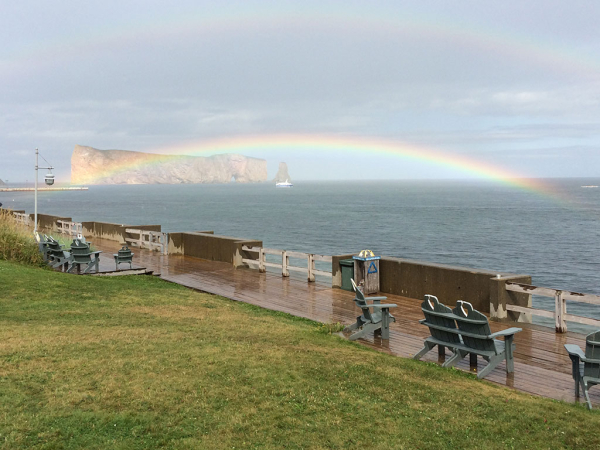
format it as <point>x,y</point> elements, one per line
<point>586,367</point>
<point>375,316</point>
<point>465,331</point>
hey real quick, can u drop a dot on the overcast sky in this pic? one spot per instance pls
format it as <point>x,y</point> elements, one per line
<point>513,83</point>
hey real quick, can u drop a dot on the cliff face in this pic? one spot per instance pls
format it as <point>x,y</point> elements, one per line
<point>92,166</point>
<point>282,174</point>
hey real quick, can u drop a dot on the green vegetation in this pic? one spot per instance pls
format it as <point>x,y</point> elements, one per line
<point>17,243</point>
<point>135,362</point>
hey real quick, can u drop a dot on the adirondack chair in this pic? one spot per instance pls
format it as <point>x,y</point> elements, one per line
<point>586,367</point>
<point>442,326</point>
<point>56,255</point>
<point>81,254</point>
<point>124,256</point>
<point>42,244</point>
<point>375,316</point>
<point>479,340</point>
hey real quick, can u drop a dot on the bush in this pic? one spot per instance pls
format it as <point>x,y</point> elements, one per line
<point>17,243</point>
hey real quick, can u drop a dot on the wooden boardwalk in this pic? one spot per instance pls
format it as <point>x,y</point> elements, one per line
<point>542,366</point>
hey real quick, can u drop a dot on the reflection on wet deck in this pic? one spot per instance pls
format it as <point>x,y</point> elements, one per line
<point>542,366</point>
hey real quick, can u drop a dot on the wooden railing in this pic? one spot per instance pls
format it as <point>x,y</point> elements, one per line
<point>69,228</point>
<point>153,240</point>
<point>22,218</point>
<point>560,304</point>
<point>285,265</point>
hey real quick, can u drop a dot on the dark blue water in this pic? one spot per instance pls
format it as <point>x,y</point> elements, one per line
<point>471,224</point>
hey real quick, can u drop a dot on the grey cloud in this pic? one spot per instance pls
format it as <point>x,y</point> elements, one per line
<point>472,77</point>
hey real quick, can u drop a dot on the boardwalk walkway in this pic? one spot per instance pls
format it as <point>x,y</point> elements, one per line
<point>542,366</point>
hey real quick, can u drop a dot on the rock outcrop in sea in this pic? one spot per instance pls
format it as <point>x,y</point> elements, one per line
<point>2,183</point>
<point>93,166</point>
<point>282,174</point>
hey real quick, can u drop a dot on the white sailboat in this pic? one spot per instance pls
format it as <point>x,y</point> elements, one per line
<point>284,184</point>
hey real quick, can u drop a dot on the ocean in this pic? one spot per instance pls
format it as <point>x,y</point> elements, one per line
<point>475,224</point>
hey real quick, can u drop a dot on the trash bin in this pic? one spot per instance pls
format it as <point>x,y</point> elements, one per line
<point>366,271</point>
<point>347,267</point>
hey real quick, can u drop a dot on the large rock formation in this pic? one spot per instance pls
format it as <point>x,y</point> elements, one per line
<point>92,166</point>
<point>282,174</point>
<point>2,183</point>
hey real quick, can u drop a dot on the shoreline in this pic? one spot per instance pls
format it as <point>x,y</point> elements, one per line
<point>30,189</point>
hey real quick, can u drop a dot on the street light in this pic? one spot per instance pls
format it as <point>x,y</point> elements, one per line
<point>49,179</point>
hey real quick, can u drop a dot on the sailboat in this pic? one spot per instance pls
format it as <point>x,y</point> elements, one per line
<point>284,184</point>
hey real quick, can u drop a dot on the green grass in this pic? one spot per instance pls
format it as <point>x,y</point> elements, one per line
<point>135,362</point>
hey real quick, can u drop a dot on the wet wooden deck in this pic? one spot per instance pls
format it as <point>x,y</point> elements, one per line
<point>542,366</point>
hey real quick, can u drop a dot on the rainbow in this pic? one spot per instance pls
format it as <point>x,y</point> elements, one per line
<point>464,167</point>
<point>391,23</point>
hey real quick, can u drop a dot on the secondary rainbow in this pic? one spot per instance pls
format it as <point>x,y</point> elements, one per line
<point>534,49</point>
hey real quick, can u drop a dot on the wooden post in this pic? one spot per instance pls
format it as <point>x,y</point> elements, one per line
<point>165,243</point>
<point>261,260</point>
<point>311,267</point>
<point>285,261</point>
<point>560,309</point>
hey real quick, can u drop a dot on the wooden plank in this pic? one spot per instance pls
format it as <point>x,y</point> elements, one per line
<point>322,273</point>
<point>582,320</point>
<point>251,261</point>
<point>298,255</point>
<point>549,292</point>
<point>534,311</point>
<point>285,262</point>
<point>272,251</point>
<point>528,289</point>
<point>311,268</point>
<point>560,308</point>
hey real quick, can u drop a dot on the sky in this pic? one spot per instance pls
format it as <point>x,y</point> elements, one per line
<point>511,84</point>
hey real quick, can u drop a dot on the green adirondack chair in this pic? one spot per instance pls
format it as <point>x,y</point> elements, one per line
<point>442,326</point>
<point>124,256</point>
<point>81,254</point>
<point>43,241</point>
<point>479,340</point>
<point>375,316</point>
<point>56,255</point>
<point>586,367</point>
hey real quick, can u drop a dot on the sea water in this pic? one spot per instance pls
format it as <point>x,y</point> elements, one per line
<point>471,224</point>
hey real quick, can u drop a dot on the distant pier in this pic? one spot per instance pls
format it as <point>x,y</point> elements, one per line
<point>24,189</point>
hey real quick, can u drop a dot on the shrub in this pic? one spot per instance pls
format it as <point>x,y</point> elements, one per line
<point>17,242</point>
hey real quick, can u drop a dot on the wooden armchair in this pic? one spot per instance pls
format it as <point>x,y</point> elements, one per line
<point>586,367</point>
<point>375,316</point>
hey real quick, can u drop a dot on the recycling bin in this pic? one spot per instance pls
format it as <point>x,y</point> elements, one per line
<point>366,271</point>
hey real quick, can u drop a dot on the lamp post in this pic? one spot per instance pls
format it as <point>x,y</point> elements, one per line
<point>49,179</point>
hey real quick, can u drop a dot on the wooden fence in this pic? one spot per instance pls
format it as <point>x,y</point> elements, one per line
<point>22,218</point>
<point>285,265</point>
<point>560,304</point>
<point>69,228</point>
<point>153,240</point>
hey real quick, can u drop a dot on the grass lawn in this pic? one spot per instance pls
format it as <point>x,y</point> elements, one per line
<point>135,362</point>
